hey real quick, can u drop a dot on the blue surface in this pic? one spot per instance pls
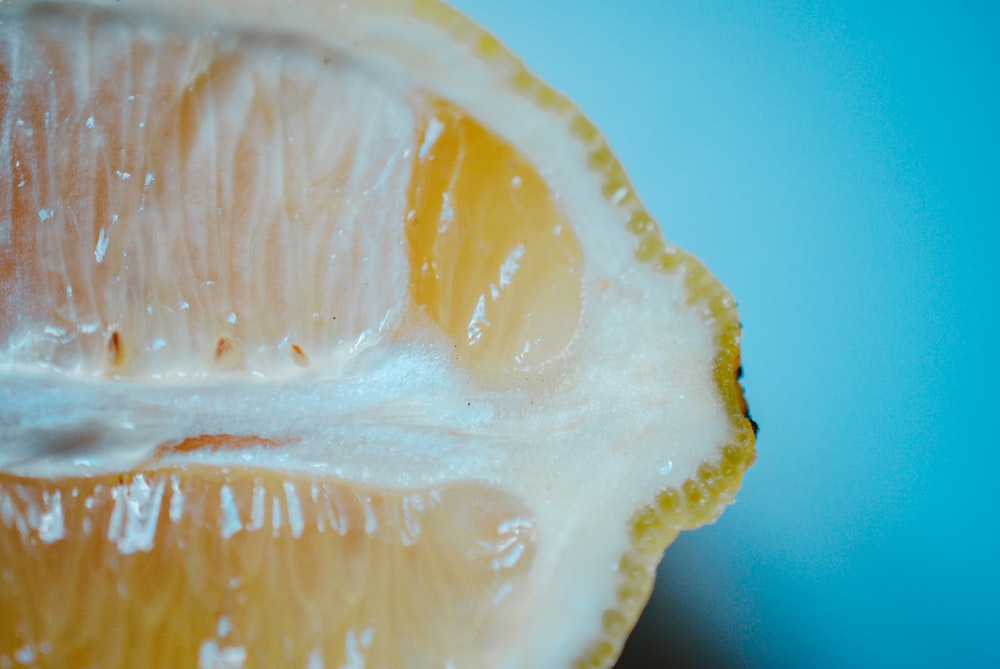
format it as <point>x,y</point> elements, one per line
<point>836,164</point>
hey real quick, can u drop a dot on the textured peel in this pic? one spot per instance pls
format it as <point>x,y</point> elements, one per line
<point>686,496</point>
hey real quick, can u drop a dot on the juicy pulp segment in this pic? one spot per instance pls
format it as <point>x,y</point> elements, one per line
<point>278,569</point>
<point>492,258</point>
<point>185,204</point>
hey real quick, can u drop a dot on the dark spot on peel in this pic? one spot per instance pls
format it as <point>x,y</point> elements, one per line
<point>746,407</point>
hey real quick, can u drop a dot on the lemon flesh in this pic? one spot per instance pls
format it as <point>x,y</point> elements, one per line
<point>259,263</point>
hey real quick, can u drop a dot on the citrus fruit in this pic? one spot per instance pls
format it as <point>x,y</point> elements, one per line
<point>331,337</point>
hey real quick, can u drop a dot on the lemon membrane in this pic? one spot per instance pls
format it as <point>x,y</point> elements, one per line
<point>353,240</point>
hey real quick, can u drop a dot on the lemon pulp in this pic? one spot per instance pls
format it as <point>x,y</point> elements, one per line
<point>216,214</point>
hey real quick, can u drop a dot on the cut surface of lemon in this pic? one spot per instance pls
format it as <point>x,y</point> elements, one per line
<point>329,336</point>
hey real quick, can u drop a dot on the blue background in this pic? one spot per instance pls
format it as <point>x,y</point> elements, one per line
<point>836,165</point>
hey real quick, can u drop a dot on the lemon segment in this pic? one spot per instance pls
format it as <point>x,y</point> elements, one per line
<point>273,569</point>
<point>493,260</point>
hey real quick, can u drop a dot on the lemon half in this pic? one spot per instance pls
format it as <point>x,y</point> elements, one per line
<point>330,336</point>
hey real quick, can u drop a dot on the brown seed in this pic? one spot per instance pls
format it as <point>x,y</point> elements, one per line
<point>228,353</point>
<point>299,356</point>
<point>116,350</point>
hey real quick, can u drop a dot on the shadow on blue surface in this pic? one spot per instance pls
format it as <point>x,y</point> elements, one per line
<point>669,636</point>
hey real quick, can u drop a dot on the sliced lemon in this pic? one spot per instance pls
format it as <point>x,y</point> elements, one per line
<point>329,336</point>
